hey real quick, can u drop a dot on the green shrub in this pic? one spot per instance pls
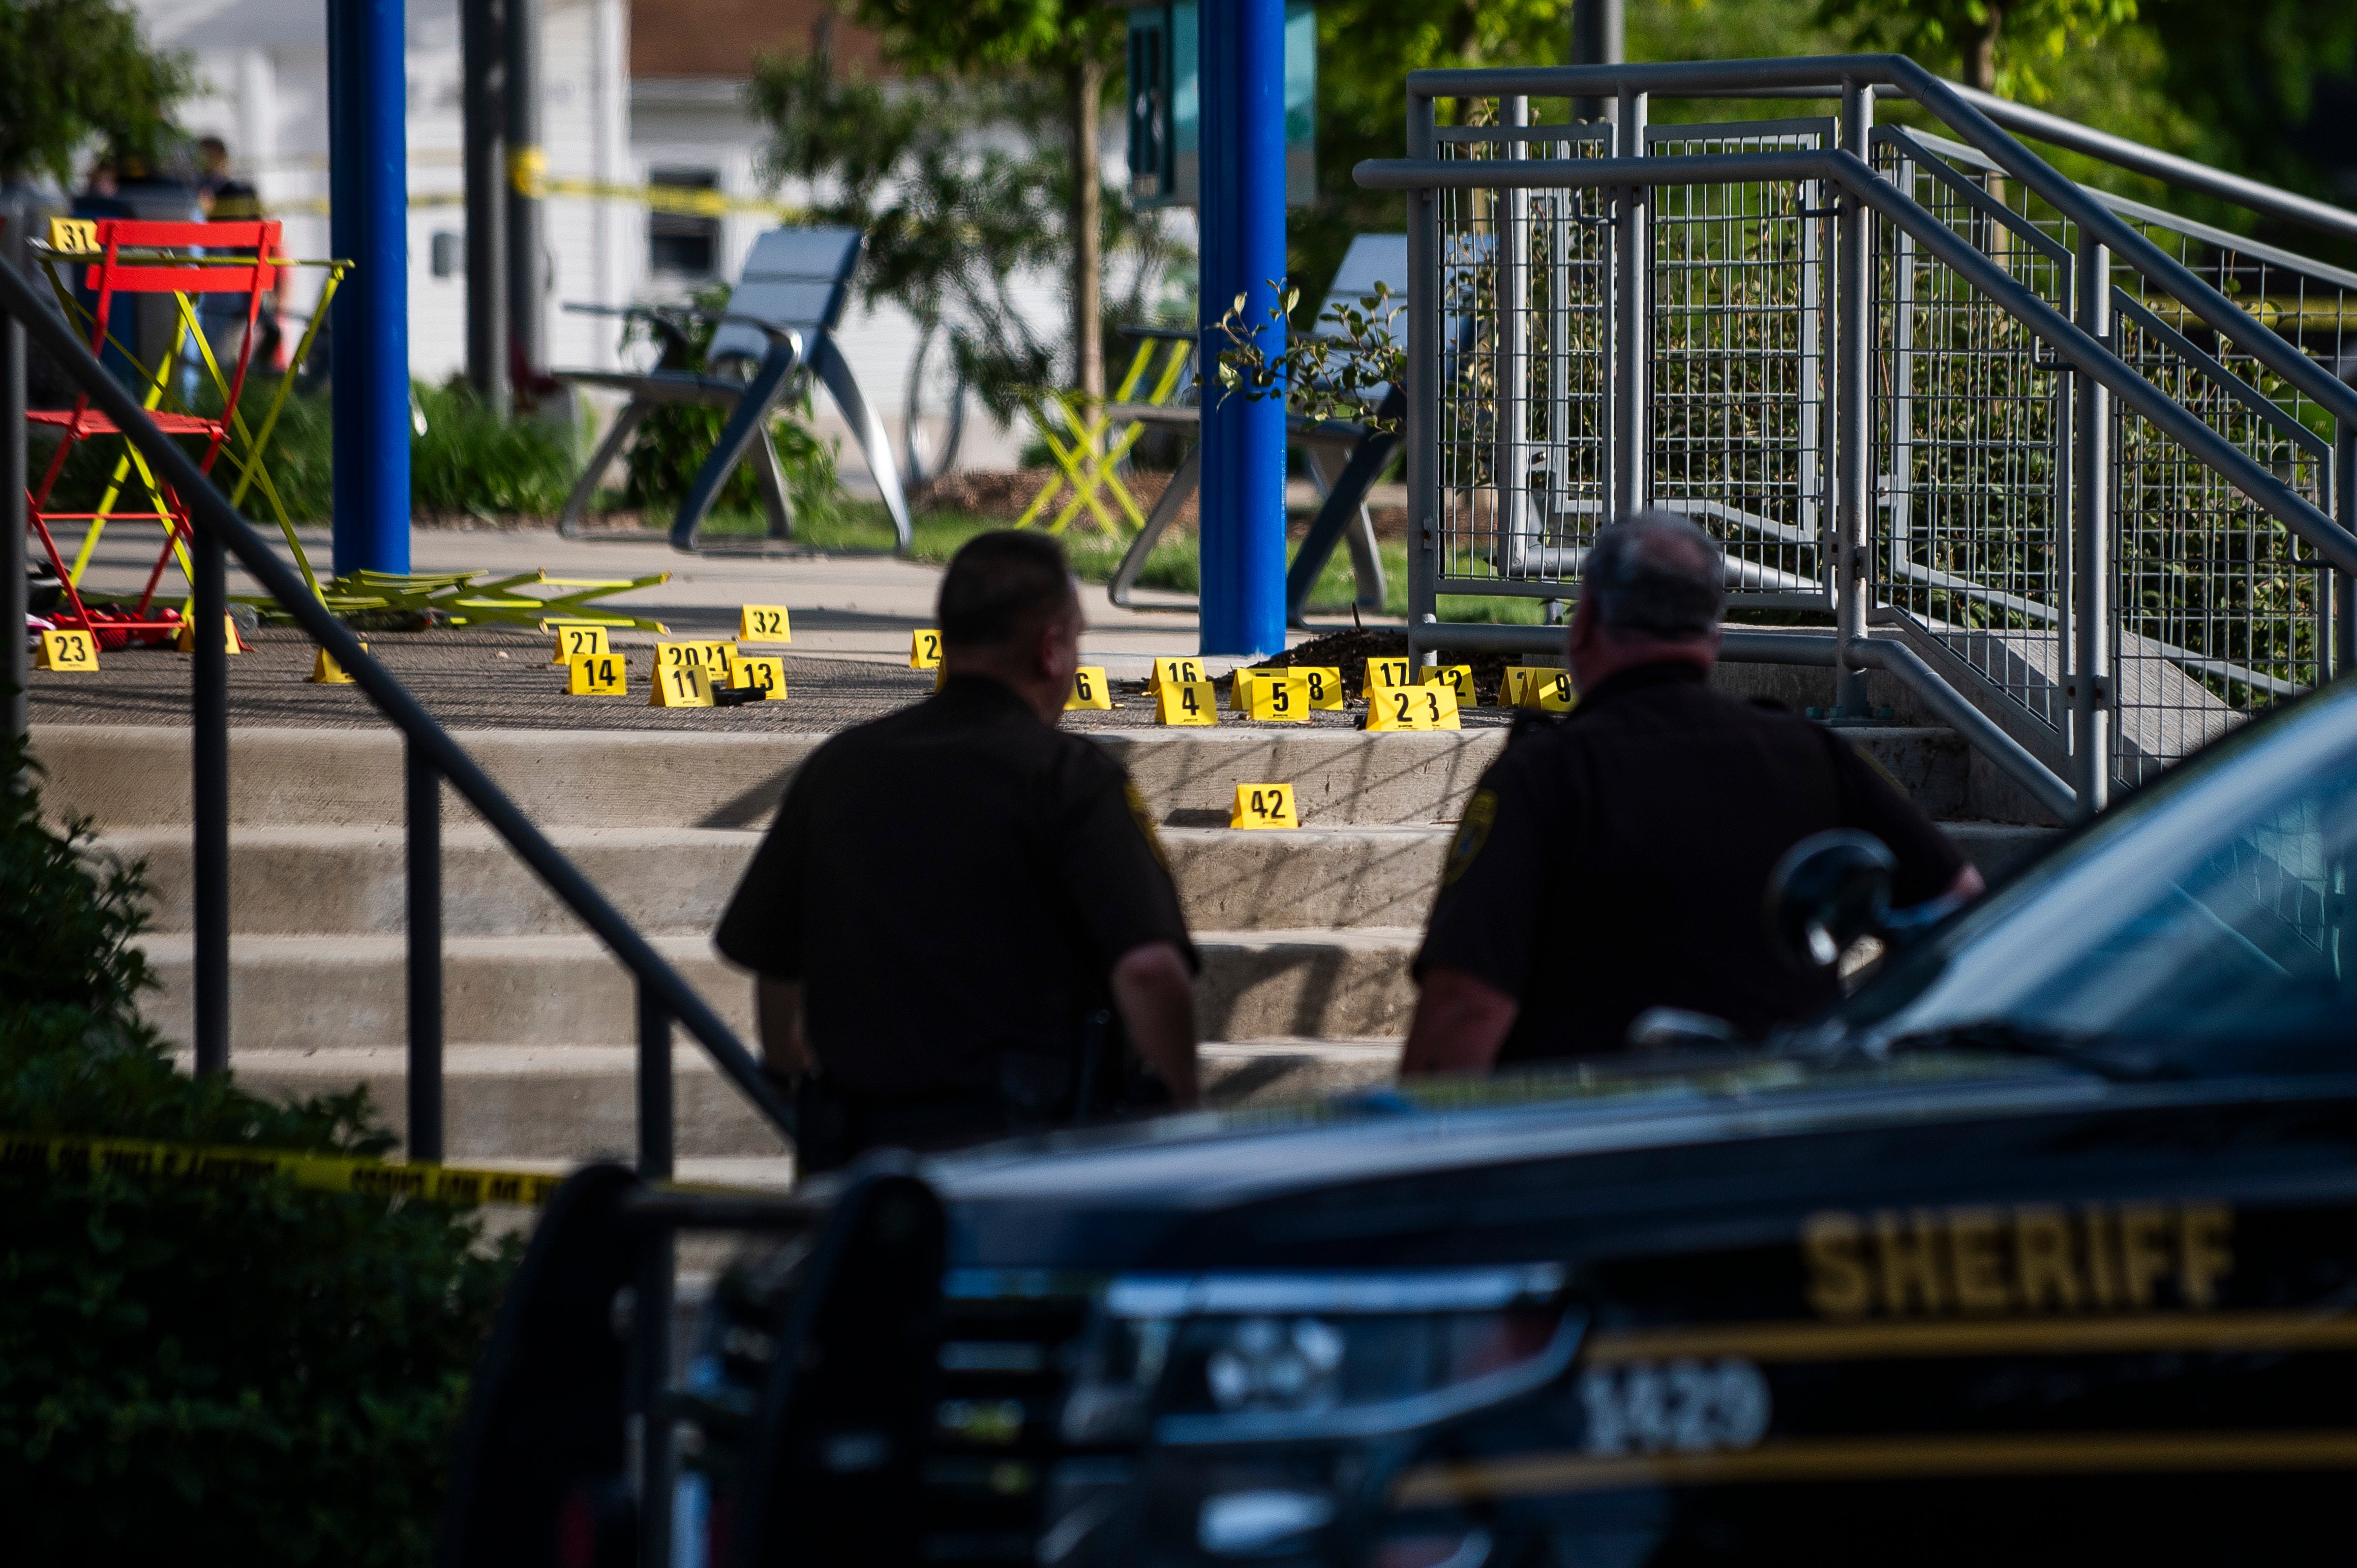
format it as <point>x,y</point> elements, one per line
<point>469,460</point>
<point>299,462</point>
<point>256,1374</point>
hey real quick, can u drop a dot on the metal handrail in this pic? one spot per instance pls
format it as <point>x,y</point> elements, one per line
<point>664,995</point>
<point>1828,74</point>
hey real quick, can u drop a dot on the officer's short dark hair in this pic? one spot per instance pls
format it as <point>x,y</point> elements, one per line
<point>1003,585</point>
<point>1656,573</point>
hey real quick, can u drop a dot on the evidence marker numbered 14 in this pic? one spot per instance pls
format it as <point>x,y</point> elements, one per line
<point>1263,806</point>
<point>764,623</point>
<point>603,674</point>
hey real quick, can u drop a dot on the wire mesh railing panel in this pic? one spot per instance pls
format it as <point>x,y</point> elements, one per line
<point>1525,371</point>
<point>1740,337</point>
<point>1972,432</point>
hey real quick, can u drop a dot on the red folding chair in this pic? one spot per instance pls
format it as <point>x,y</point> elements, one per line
<point>138,256</point>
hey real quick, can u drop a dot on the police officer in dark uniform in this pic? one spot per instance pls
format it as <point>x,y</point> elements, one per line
<point>1615,862</point>
<point>961,913</point>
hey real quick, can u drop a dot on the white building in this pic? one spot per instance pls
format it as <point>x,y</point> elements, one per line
<point>631,94</point>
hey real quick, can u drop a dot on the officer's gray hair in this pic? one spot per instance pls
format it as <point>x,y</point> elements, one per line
<point>1656,574</point>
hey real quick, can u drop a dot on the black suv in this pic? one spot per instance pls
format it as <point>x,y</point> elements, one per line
<point>2042,1247</point>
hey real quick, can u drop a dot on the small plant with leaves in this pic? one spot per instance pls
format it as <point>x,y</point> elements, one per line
<point>1340,373</point>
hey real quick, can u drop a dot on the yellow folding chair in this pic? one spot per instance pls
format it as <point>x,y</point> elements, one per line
<point>1088,454</point>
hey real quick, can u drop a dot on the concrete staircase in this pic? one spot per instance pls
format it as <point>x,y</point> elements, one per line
<point>1306,935</point>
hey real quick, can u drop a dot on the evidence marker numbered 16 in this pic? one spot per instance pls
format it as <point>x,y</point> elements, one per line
<point>1263,806</point>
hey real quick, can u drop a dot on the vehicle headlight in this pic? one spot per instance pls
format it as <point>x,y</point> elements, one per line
<point>1245,1358</point>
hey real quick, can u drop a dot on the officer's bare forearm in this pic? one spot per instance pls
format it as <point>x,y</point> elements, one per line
<point>1460,1022</point>
<point>779,1006</point>
<point>1157,998</point>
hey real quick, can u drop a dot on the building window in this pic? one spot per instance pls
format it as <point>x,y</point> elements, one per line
<point>684,244</point>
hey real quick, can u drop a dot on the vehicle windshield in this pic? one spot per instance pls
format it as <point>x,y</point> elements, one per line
<point>2204,925</point>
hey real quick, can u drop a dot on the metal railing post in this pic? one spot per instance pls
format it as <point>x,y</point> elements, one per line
<point>1424,371</point>
<point>1511,456</point>
<point>1632,466</point>
<point>2091,689</point>
<point>651,1314</point>
<point>2344,588</point>
<point>15,710</point>
<point>1853,411</point>
<point>209,796</point>
<point>424,867</point>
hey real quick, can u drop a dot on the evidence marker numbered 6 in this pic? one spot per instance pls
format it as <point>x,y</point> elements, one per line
<point>764,623</point>
<point>598,675</point>
<point>1263,806</point>
<point>575,640</point>
<point>1089,689</point>
<point>1422,707</point>
<point>73,651</point>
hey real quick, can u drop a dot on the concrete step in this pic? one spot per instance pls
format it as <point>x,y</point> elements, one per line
<point>124,776</point>
<point>308,993</point>
<point>579,1103</point>
<point>354,880</point>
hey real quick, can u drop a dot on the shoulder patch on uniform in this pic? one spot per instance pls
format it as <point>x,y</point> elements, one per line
<point>1145,821</point>
<point>1480,815</point>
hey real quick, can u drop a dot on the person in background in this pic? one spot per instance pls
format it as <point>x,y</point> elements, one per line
<point>1617,861</point>
<point>961,912</point>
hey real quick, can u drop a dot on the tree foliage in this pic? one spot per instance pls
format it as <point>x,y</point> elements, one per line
<point>1997,45</point>
<point>250,1373</point>
<point>72,70</point>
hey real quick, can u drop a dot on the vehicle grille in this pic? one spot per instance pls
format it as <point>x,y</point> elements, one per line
<point>1009,1342</point>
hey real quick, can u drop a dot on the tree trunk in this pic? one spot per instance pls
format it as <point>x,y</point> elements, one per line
<point>1980,50</point>
<point>1086,83</point>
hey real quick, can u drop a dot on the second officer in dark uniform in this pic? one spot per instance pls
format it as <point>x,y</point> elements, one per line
<point>960,911</point>
<point>1617,861</point>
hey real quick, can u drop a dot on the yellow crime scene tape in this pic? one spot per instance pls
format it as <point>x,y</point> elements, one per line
<point>228,1166</point>
<point>528,173</point>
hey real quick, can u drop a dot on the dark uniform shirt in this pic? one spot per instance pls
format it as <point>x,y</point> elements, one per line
<point>952,886</point>
<point>1620,861</point>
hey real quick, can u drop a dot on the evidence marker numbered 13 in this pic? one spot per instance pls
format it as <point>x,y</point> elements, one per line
<point>603,674</point>
<point>764,623</point>
<point>575,640</point>
<point>1089,689</point>
<point>1263,806</point>
<point>1187,702</point>
<point>72,650</point>
<point>764,673</point>
<point>1422,707</point>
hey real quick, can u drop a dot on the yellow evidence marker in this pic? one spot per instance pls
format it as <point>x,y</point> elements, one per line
<point>70,650</point>
<point>186,642</point>
<point>1390,673</point>
<point>1282,700</point>
<point>681,686</point>
<point>1458,677</point>
<point>1191,703</point>
<point>720,658</point>
<point>326,671</point>
<point>598,675</point>
<point>1542,687</point>
<point>1263,806</point>
<point>1089,689</point>
<point>925,649</point>
<point>1175,672</point>
<point>1325,684</point>
<point>1432,706</point>
<point>764,623</point>
<point>765,675</point>
<point>75,236</point>
<point>574,641</point>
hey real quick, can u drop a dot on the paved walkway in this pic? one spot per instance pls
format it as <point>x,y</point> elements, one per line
<point>852,617</point>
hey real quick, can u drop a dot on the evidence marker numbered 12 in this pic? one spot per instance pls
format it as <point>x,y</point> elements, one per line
<point>603,674</point>
<point>764,623</point>
<point>575,640</point>
<point>1458,677</point>
<point>72,650</point>
<point>1263,806</point>
<point>1089,689</point>
<point>1422,707</point>
<point>1187,702</point>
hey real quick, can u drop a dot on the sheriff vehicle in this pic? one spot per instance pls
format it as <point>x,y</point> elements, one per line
<point>2040,1249</point>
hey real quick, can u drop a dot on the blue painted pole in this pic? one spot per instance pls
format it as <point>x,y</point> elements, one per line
<point>1242,213</point>
<point>368,192</point>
